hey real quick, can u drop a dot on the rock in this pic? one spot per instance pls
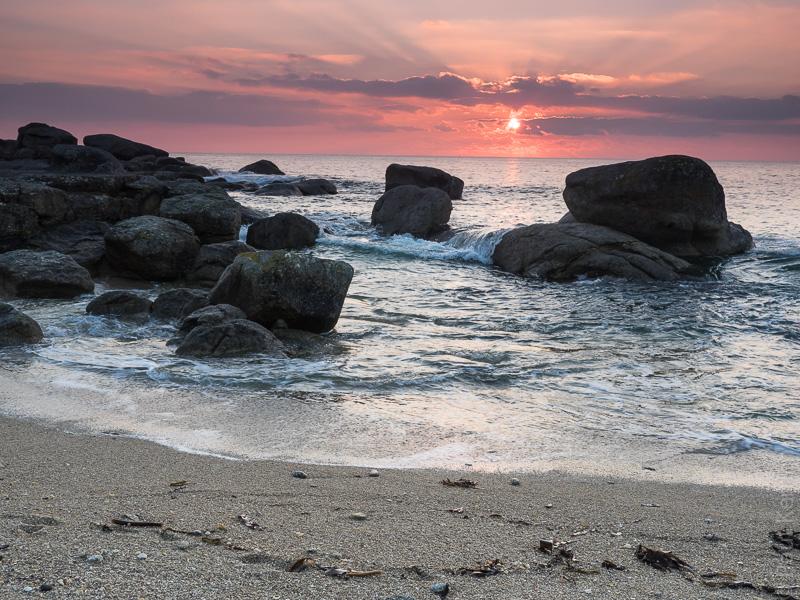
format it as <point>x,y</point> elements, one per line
<point>120,303</point>
<point>373,473</point>
<point>567,251</point>
<point>141,556</point>
<point>85,159</point>
<point>94,558</point>
<point>251,215</point>
<point>262,167</point>
<point>84,241</point>
<point>279,189</point>
<point>410,209</point>
<point>213,259</point>
<point>49,204</point>
<point>120,147</point>
<point>305,292</point>
<point>183,545</point>
<point>211,315</point>
<point>31,274</point>
<point>214,217</point>
<point>179,303</point>
<point>27,589</point>
<point>316,187</point>
<point>440,589</point>
<point>46,587</point>
<point>233,338</point>
<point>515,482</point>
<point>152,248</point>
<point>7,149</point>
<point>399,175</point>
<point>674,203</point>
<point>40,138</point>
<point>299,475</point>
<point>17,328</point>
<point>358,517</point>
<point>283,231</point>
<point>17,224</point>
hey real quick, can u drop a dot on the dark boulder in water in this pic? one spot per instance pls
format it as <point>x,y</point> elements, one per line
<point>215,217</point>
<point>279,189</point>
<point>215,314</point>
<point>410,209</point>
<point>303,291</point>
<point>40,138</point>
<point>83,159</point>
<point>84,241</point>
<point>262,167</point>
<point>213,259</point>
<point>674,203</point>
<point>152,248</point>
<point>17,328</point>
<point>122,148</point>
<point>316,187</point>
<point>283,231</point>
<point>232,338</point>
<point>568,251</point>
<point>398,175</point>
<point>31,274</point>
<point>179,303</point>
<point>120,303</point>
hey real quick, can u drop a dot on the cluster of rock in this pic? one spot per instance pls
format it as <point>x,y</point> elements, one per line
<point>116,207</point>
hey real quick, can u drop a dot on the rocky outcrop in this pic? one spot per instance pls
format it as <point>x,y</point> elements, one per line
<point>410,209</point>
<point>84,241</point>
<point>568,251</point>
<point>213,259</point>
<point>233,338</point>
<point>152,248</point>
<point>83,159</point>
<point>674,203</point>
<point>215,314</point>
<point>120,303</point>
<point>279,189</point>
<point>215,217</point>
<point>283,231</point>
<point>303,291</point>
<point>120,147</point>
<point>179,303</point>
<point>17,328</point>
<point>316,187</point>
<point>31,274</point>
<point>400,175</point>
<point>17,224</point>
<point>40,138</point>
<point>262,167</point>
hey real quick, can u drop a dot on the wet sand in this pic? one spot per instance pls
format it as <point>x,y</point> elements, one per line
<point>59,493</point>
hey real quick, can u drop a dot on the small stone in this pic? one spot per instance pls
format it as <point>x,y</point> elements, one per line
<point>627,546</point>
<point>358,517</point>
<point>548,506</point>
<point>515,481</point>
<point>183,545</point>
<point>27,589</point>
<point>45,587</point>
<point>29,528</point>
<point>708,521</point>
<point>374,473</point>
<point>440,589</point>
<point>299,475</point>
<point>94,558</point>
<point>141,556</point>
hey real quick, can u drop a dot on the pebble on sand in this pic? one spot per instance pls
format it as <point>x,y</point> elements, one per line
<point>358,517</point>
<point>440,589</point>
<point>141,556</point>
<point>374,473</point>
<point>299,475</point>
<point>94,558</point>
<point>515,481</point>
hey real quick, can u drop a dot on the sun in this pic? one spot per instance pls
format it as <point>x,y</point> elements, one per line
<point>513,124</point>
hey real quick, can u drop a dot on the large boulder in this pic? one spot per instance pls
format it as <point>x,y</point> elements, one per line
<point>40,138</point>
<point>568,251</point>
<point>234,338</point>
<point>262,167</point>
<point>7,149</point>
<point>17,224</point>
<point>49,204</point>
<point>215,217</point>
<point>398,175</point>
<point>316,187</point>
<point>31,274</point>
<point>84,159</point>
<point>411,209</point>
<point>120,303</point>
<point>179,303</point>
<point>120,147</point>
<point>283,231</point>
<point>17,328</point>
<point>213,259</point>
<point>152,248</point>
<point>305,292</point>
<point>84,241</point>
<point>674,203</point>
<point>215,314</point>
<point>279,189</point>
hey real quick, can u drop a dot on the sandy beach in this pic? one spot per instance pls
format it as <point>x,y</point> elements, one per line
<point>60,492</point>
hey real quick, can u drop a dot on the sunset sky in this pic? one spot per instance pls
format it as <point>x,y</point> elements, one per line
<point>620,78</point>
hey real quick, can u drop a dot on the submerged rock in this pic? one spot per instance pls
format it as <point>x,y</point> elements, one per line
<point>410,209</point>
<point>120,303</point>
<point>153,248</point>
<point>120,147</point>
<point>213,259</point>
<point>17,328</point>
<point>215,217</point>
<point>399,175</point>
<point>674,203</point>
<point>316,187</point>
<point>283,231</point>
<point>211,315</point>
<point>262,167</point>
<point>232,338</point>
<point>179,303</point>
<point>304,291</point>
<point>279,189</point>
<point>567,251</point>
<point>32,274</point>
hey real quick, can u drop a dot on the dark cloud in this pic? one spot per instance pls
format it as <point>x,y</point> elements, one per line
<point>651,127</point>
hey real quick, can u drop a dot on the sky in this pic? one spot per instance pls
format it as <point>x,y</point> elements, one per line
<point>566,78</point>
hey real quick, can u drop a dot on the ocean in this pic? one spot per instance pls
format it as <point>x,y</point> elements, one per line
<point>439,359</point>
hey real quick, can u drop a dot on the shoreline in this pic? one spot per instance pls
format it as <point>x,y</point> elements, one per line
<point>54,486</point>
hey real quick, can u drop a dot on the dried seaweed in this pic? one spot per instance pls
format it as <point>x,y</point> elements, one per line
<point>486,569</point>
<point>127,522</point>
<point>249,523</point>
<point>661,559</point>
<point>460,483</point>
